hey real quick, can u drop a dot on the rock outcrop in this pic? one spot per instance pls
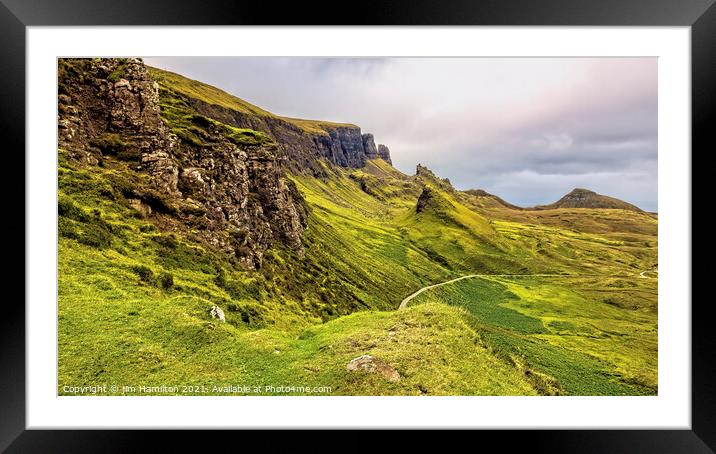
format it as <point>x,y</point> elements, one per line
<point>217,313</point>
<point>424,200</point>
<point>384,153</point>
<point>348,147</point>
<point>426,176</point>
<point>341,144</point>
<point>373,365</point>
<point>111,106</point>
<point>433,200</point>
<point>369,147</point>
<point>375,152</point>
<point>231,191</point>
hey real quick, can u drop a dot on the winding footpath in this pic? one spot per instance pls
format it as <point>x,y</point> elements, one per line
<point>404,303</point>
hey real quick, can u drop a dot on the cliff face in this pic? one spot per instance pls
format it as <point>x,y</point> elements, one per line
<point>227,185</point>
<point>98,110</point>
<point>295,149</point>
<point>384,153</point>
<point>372,151</point>
<point>303,143</point>
<point>344,146</point>
<point>214,165</point>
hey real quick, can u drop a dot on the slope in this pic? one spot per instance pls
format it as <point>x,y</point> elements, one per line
<point>237,208</point>
<point>584,198</point>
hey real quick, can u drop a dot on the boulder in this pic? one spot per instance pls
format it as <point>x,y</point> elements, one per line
<point>217,313</point>
<point>373,365</point>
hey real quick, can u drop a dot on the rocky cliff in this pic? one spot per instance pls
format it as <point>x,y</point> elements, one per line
<point>342,145</point>
<point>225,184</point>
<point>384,153</point>
<point>371,151</point>
<point>303,143</point>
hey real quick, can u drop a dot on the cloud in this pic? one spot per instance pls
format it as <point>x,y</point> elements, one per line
<point>527,129</point>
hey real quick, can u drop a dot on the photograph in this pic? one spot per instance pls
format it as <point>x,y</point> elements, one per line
<point>422,219</point>
<point>357,226</point>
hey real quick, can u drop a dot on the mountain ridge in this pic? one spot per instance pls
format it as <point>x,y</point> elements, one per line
<point>303,141</point>
<point>338,142</point>
<point>174,207</point>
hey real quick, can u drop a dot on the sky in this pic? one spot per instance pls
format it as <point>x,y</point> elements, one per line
<point>526,129</point>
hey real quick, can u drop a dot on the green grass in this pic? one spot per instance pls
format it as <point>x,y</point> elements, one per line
<point>139,334</point>
<point>135,290</point>
<point>198,130</point>
<point>119,72</point>
<point>362,254</point>
<point>206,93</point>
<point>189,88</point>
<point>317,126</point>
<point>589,347</point>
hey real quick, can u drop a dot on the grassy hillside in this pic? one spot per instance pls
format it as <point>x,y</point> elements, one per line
<point>362,254</point>
<point>584,198</point>
<point>135,289</point>
<point>212,95</point>
<point>583,336</point>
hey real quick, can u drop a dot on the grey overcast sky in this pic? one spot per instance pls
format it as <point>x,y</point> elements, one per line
<point>526,129</point>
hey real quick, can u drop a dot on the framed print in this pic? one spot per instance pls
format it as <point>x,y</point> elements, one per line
<point>462,217</point>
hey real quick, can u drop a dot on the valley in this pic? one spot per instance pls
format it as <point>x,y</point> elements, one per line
<point>177,201</point>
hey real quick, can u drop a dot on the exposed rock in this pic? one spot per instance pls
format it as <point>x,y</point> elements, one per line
<point>217,313</point>
<point>297,149</point>
<point>95,107</point>
<point>384,153</point>
<point>426,176</point>
<point>343,146</point>
<point>369,148</point>
<point>433,200</point>
<point>233,194</point>
<point>424,200</point>
<point>370,364</point>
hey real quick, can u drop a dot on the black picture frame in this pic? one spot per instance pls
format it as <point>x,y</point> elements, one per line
<point>16,15</point>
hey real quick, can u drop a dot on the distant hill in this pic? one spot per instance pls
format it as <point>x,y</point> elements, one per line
<point>203,238</point>
<point>490,200</point>
<point>584,198</point>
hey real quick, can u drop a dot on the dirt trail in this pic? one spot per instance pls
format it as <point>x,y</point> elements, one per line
<point>413,295</point>
<point>407,299</point>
